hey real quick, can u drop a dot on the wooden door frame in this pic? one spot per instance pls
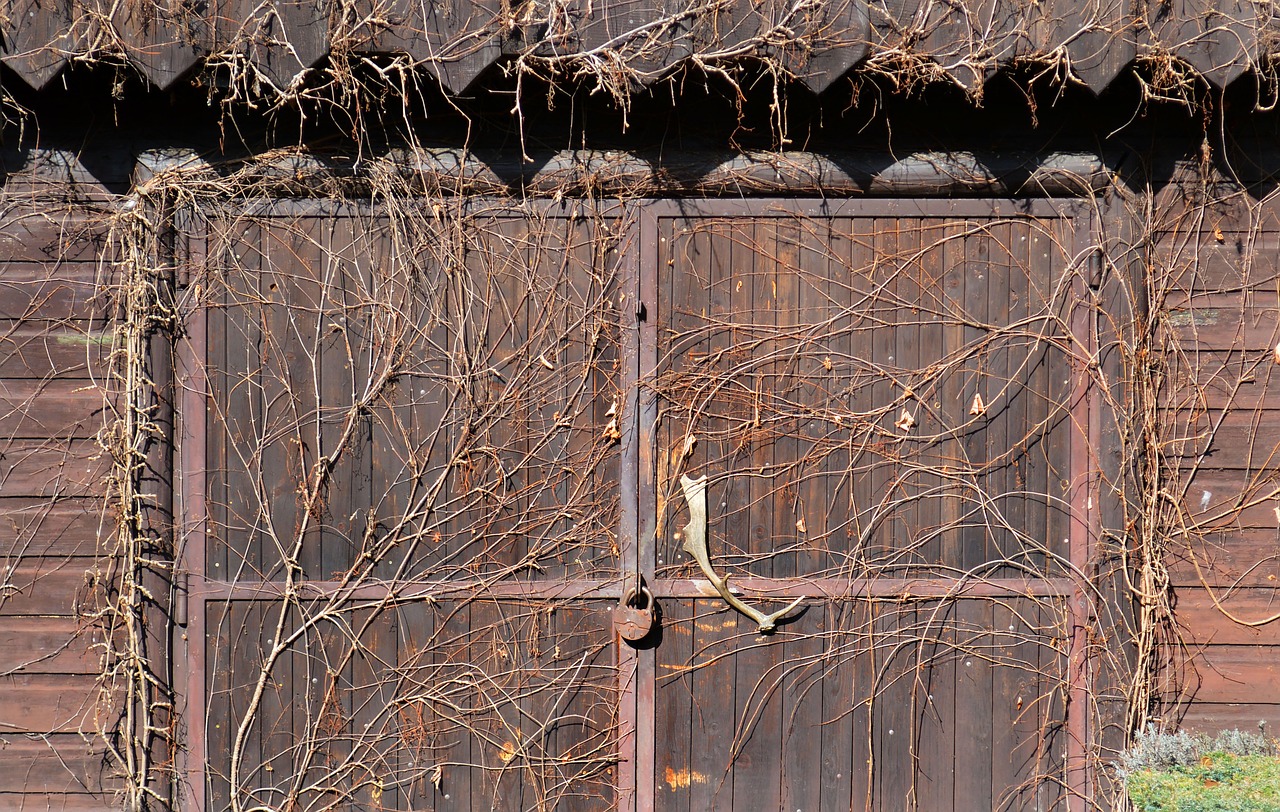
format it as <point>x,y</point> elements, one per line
<point>195,591</point>
<point>639,355</point>
<point>1086,420</point>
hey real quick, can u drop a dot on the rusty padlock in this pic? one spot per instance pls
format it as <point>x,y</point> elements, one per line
<point>634,620</point>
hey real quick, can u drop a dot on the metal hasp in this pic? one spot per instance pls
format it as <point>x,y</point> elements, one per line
<point>695,544</point>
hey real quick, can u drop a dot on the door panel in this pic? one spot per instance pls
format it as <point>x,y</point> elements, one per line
<point>410,467</point>
<point>459,412</point>
<point>459,704</point>
<point>426,452</point>
<point>883,400</point>
<point>894,390</point>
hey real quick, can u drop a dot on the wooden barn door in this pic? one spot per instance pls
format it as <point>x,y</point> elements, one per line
<point>425,451</point>
<point>400,456</point>
<point>884,401</point>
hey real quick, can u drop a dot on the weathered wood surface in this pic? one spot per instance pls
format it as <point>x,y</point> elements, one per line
<point>53,346</point>
<point>729,737</point>
<point>694,172</point>
<point>270,364</point>
<point>853,331</point>
<point>57,802</point>
<point>49,703</point>
<point>831,711</point>
<point>504,698</point>
<point>817,43</point>
<point>1222,416</point>
<point>773,329</point>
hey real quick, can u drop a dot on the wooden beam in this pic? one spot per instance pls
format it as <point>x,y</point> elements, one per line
<point>597,173</point>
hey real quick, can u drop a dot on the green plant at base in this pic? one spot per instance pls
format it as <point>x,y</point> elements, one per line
<point>1219,782</point>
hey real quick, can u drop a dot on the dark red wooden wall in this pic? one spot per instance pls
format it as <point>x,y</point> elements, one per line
<point>747,304</point>
<point>54,335</point>
<point>1219,305</point>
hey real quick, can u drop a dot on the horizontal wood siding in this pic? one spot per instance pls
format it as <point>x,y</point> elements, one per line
<point>53,342</point>
<point>1221,409</point>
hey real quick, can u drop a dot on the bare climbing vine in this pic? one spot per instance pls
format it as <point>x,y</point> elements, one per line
<point>366,432</point>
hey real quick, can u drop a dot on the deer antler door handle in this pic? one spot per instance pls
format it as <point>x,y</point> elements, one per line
<point>695,544</point>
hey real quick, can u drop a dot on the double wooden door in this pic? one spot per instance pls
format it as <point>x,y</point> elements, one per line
<point>424,450</point>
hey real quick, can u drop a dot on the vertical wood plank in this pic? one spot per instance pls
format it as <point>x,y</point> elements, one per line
<point>576,477</point>
<point>674,711</point>
<point>881,342</point>
<point>542,773</point>
<point>457,654</point>
<point>338,352</point>
<point>757,311</point>
<point>508,324</point>
<point>690,267</point>
<point>238,557</point>
<point>756,767</point>
<point>995,386</point>
<point>496,653</point>
<point>839,732</point>
<point>587,717</point>
<point>800,672</point>
<point>711,777</point>
<point>394,443</point>
<point>218,710</point>
<point>814,339</point>
<point>1014,719</point>
<point>246,667</point>
<point>374,732</point>
<point>973,705</point>
<point>865,663</point>
<point>445,528</point>
<point>283,720</point>
<point>1060,387</point>
<point>837,487</point>
<point>975,536</point>
<point>931,314</point>
<point>1015,407</point>
<point>1040,450</point>
<point>319,723</point>
<point>220,337</point>
<point>549,312</point>
<point>1051,789</point>
<point>955,397</point>
<point>783,388</point>
<point>862,400</point>
<point>686,270</point>
<point>290,381</point>
<point>895,626</point>
<point>907,525</point>
<point>934,708</point>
